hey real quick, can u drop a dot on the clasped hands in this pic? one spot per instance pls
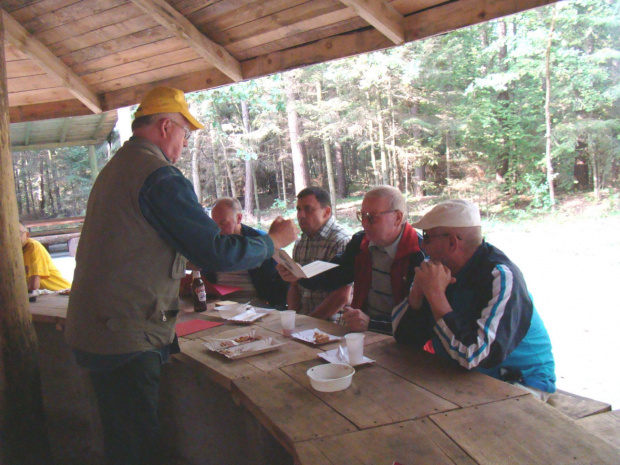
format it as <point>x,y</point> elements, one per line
<point>430,281</point>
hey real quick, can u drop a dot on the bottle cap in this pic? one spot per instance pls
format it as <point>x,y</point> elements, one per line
<point>196,274</point>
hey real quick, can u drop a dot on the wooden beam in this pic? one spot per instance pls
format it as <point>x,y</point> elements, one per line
<point>382,16</point>
<point>49,110</point>
<point>179,25</point>
<point>439,20</point>
<point>56,69</point>
<point>56,145</point>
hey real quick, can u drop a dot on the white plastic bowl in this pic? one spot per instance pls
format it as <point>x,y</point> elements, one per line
<point>331,377</point>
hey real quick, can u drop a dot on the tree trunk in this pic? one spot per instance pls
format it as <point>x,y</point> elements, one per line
<point>42,186</point>
<point>50,182</point>
<point>300,170</point>
<point>249,171</point>
<point>595,170</point>
<point>419,173</point>
<point>504,97</point>
<point>216,164</point>
<point>18,188</point>
<point>448,161</point>
<point>196,174</point>
<point>231,180</point>
<point>59,203</point>
<point>283,182</point>
<point>384,166</point>
<point>328,157</point>
<point>256,201</point>
<point>92,158</point>
<point>550,175</point>
<point>341,181</point>
<point>26,179</point>
<point>395,164</point>
<point>22,417</point>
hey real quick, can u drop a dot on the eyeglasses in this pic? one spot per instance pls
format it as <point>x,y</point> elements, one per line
<point>427,238</point>
<point>370,217</point>
<point>187,131</point>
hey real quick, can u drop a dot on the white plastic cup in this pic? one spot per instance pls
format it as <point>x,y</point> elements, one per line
<point>287,317</point>
<point>355,348</point>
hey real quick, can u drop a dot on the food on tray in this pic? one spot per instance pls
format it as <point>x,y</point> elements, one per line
<point>246,338</point>
<point>320,337</point>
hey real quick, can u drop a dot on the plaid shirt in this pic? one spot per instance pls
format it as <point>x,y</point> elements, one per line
<point>330,239</point>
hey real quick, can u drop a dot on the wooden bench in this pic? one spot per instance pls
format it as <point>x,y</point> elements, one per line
<point>576,406</point>
<point>56,231</point>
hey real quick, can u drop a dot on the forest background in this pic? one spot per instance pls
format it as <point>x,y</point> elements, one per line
<point>510,113</point>
<point>519,114</point>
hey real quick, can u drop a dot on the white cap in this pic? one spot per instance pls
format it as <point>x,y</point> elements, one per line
<point>450,214</point>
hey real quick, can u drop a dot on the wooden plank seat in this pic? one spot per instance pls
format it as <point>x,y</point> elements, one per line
<point>604,425</point>
<point>576,406</point>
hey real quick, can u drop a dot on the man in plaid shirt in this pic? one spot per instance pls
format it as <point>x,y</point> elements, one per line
<point>321,239</point>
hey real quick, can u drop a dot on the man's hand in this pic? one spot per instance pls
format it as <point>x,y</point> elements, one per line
<point>34,283</point>
<point>433,278</point>
<point>416,295</point>
<point>355,319</point>
<point>282,232</point>
<point>286,275</point>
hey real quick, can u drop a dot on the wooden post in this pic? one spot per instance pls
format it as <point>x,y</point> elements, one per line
<point>23,433</point>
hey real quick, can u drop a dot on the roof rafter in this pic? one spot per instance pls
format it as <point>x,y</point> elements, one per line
<point>20,38</point>
<point>382,16</point>
<point>179,25</point>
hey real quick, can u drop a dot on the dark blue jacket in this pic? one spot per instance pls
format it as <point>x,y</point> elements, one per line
<point>266,279</point>
<point>493,327</point>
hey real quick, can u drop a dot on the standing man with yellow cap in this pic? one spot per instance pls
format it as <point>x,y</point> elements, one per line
<point>143,222</point>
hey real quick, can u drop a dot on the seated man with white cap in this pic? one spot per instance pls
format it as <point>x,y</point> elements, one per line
<point>472,302</point>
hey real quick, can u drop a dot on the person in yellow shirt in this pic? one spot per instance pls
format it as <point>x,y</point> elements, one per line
<point>41,272</point>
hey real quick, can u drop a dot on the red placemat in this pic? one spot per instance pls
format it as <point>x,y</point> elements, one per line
<point>193,326</point>
<point>220,290</point>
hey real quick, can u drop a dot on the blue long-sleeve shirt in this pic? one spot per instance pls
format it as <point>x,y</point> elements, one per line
<point>168,202</point>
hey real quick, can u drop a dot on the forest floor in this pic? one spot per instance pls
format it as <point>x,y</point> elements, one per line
<point>571,263</point>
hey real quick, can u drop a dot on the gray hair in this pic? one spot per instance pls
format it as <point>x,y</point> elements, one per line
<point>229,202</point>
<point>396,198</point>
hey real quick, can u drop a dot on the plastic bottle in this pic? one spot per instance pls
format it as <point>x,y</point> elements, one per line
<point>199,293</point>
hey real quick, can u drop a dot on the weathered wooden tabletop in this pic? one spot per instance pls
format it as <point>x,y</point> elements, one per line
<point>408,406</point>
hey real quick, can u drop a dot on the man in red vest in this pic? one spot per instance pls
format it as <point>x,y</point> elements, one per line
<point>380,261</point>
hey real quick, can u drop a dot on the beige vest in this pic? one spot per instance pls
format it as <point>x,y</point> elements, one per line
<point>126,275</point>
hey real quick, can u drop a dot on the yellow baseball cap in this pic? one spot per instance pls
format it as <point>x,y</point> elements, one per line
<point>167,100</point>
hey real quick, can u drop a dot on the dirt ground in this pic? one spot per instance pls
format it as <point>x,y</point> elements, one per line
<point>571,263</point>
<point>571,266</point>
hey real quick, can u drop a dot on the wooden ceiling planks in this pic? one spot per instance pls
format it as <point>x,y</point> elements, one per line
<point>119,52</point>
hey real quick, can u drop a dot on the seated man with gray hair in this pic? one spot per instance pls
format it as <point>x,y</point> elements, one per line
<point>472,302</point>
<point>379,261</point>
<point>260,285</point>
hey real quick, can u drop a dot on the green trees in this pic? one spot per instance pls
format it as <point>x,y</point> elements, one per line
<point>518,108</point>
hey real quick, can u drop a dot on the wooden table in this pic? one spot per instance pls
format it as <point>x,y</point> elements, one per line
<point>409,406</point>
